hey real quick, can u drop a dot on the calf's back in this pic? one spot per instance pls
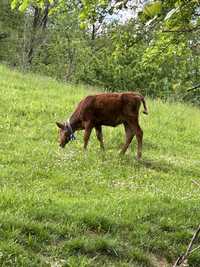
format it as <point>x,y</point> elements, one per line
<point>109,108</point>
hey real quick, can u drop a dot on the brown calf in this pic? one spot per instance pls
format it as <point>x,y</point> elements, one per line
<point>109,109</point>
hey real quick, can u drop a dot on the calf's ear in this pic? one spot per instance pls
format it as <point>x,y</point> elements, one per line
<point>60,125</point>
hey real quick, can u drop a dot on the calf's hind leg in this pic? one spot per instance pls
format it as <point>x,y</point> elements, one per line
<point>139,136</point>
<point>129,136</point>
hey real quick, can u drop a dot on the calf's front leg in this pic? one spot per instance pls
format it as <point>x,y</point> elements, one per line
<point>99,136</point>
<point>88,130</point>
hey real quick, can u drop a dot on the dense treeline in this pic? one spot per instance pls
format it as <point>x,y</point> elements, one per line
<point>157,50</point>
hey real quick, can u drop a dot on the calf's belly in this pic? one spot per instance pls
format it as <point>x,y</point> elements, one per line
<point>108,123</point>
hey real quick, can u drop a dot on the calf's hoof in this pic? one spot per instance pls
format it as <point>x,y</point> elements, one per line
<point>139,156</point>
<point>121,153</point>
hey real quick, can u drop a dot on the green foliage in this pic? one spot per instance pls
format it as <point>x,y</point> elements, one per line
<point>170,60</point>
<point>152,9</point>
<point>166,65</point>
<point>12,34</point>
<point>82,41</point>
<point>23,5</point>
<point>118,63</point>
<point>67,208</point>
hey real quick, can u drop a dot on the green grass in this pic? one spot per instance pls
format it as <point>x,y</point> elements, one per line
<point>69,208</point>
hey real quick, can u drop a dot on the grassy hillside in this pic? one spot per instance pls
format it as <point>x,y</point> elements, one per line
<point>69,208</point>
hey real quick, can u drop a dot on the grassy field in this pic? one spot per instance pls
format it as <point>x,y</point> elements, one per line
<point>70,208</point>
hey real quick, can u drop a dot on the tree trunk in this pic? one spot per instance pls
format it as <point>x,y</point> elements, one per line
<point>93,32</point>
<point>36,20</point>
<point>71,66</point>
<point>39,22</point>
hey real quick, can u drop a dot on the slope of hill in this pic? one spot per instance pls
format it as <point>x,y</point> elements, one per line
<point>69,208</point>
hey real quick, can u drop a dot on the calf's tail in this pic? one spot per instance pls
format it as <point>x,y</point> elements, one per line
<point>145,111</point>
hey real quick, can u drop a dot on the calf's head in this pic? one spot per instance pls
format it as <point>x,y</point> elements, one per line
<point>64,134</point>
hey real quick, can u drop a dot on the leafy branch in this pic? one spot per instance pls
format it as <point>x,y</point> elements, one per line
<point>184,30</point>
